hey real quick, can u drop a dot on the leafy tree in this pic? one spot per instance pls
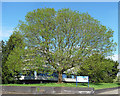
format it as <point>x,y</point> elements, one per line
<point>99,69</point>
<point>4,59</point>
<point>15,41</point>
<point>65,37</point>
<point>15,64</point>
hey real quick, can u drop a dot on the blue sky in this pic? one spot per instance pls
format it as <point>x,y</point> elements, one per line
<point>105,12</point>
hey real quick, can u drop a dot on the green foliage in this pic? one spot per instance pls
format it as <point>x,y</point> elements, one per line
<point>65,37</point>
<point>117,79</point>
<point>99,69</point>
<point>11,53</point>
<point>14,62</point>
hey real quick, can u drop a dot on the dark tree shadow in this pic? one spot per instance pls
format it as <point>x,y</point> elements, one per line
<point>118,83</point>
<point>97,84</point>
<point>84,84</point>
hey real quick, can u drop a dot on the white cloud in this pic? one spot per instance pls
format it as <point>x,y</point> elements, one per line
<point>5,33</point>
<point>113,57</point>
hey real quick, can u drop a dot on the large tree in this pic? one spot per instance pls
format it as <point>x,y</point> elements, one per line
<point>65,37</point>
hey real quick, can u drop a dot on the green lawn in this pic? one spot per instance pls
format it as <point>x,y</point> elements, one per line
<point>96,86</point>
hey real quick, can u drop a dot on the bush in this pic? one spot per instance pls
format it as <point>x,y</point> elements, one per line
<point>99,69</point>
<point>117,79</point>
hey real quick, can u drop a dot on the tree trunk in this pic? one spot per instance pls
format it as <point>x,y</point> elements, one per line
<point>59,77</point>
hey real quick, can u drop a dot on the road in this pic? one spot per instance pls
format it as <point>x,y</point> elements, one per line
<point>114,91</point>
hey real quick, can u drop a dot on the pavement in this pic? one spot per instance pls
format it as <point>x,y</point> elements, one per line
<point>115,91</point>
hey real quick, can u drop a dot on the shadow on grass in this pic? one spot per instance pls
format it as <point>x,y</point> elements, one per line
<point>84,84</point>
<point>97,84</point>
<point>118,83</point>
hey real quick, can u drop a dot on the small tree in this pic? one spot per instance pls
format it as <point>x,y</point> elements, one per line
<point>99,69</point>
<point>15,43</point>
<point>65,37</point>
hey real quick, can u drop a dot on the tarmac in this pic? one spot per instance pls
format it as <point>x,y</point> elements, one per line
<point>100,91</point>
<point>115,91</point>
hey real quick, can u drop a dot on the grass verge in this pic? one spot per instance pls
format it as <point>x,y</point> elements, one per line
<point>95,86</point>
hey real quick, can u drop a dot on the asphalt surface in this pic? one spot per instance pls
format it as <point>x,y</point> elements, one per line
<point>115,91</point>
<point>110,91</point>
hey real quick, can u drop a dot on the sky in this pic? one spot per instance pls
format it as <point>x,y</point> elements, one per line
<point>105,12</point>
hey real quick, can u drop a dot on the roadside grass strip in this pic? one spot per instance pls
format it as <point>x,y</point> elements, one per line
<point>92,85</point>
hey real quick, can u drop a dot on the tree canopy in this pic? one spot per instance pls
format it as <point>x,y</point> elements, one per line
<point>65,37</point>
